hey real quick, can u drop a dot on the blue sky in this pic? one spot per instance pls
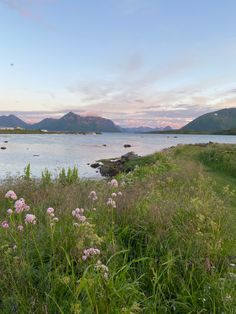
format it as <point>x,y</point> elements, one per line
<point>138,62</point>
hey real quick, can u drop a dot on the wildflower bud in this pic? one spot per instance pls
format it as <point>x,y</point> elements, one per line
<point>20,228</point>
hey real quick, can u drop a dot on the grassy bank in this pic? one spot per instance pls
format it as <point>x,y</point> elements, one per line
<point>162,241</point>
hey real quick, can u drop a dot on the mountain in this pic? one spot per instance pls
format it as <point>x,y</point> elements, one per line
<point>12,121</point>
<point>72,122</point>
<point>143,129</point>
<point>220,120</point>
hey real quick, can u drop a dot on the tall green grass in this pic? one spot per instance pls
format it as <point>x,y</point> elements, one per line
<point>163,244</point>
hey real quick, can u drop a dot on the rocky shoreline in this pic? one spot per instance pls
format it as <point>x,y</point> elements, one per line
<point>112,167</point>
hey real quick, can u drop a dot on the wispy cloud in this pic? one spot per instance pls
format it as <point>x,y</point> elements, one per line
<point>29,9</point>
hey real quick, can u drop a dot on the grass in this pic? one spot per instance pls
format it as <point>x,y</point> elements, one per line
<point>169,245</point>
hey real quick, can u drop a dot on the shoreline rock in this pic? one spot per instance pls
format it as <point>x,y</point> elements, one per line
<point>112,167</point>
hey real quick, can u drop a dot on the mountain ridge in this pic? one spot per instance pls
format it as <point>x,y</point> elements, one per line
<point>216,121</point>
<point>72,122</point>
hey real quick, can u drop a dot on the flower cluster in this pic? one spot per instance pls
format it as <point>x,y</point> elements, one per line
<point>113,183</point>
<point>111,202</point>
<point>11,194</point>
<point>103,269</point>
<point>78,213</point>
<point>21,206</point>
<point>51,213</point>
<point>90,253</point>
<point>93,196</point>
<point>30,219</point>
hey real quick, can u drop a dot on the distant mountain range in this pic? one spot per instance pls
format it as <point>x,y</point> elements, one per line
<point>213,122</point>
<point>143,129</point>
<point>224,119</point>
<point>72,122</point>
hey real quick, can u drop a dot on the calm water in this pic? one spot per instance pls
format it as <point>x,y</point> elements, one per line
<point>57,151</point>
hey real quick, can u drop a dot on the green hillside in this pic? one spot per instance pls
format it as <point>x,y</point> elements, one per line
<point>224,119</point>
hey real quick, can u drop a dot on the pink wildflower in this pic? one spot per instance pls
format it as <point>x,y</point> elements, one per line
<point>20,228</point>
<point>82,218</point>
<point>9,211</point>
<point>11,194</point>
<point>77,213</point>
<point>5,224</point>
<point>50,210</point>
<point>20,206</point>
<point>93,196</point>
<point>120,194</point>
<point>114,183</point>
<point>30,219</point>
<point>114,195</point>
<point>111,202</point>
<point>90,253</point>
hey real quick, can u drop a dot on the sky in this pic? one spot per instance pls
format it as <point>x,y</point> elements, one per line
<point>138,62</point>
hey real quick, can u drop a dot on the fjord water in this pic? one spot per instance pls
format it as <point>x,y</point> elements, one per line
<point>54,151</point>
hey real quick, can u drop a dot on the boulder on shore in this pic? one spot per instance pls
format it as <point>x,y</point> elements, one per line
<point>111,167</point>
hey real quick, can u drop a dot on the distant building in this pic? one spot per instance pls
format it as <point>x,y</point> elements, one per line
<point>45,131</point>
